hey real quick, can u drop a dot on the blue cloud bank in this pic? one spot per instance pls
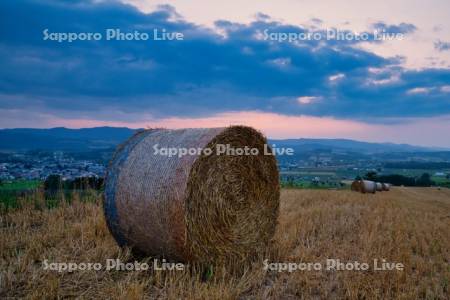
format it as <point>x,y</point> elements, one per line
<point>230,68</point>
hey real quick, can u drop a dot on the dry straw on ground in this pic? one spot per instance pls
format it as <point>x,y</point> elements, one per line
<point>194,207</point>
<point>406,225</point>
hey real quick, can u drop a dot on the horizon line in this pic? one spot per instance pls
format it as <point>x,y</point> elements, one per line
<point>268,137</point>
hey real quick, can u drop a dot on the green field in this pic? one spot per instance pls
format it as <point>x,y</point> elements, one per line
<point>306,184</point>
<point>20,185</point>
<point>309,173</point>
<point>11,192</point>
<point>15,194</point>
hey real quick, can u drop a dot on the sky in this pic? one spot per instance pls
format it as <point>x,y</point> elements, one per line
<point>231,67</point>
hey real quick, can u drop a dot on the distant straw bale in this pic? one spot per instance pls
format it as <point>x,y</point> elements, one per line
<point>379,186</point>
<point>364,186</point>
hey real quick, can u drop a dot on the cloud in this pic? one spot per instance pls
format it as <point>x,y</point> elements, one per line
<point>403,28</point>
<point>418,90</point>
<point>212,71</point>
<point>337,77</point>
<point>317,21</point>
<point>441,46</point>
<point>445,89</point>
<point>307,99</point>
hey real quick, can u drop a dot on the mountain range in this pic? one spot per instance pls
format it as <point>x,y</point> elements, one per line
<point>60,138</point>
<point>89,139</point>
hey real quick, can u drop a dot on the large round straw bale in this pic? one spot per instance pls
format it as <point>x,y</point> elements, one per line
<point>194,207</point>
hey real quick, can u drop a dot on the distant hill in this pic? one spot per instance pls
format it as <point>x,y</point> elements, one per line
<point>88,139</point>
<point>76,140</point>
<point>349,145</point>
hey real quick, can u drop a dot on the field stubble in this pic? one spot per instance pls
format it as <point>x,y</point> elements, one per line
<point>407,225</point>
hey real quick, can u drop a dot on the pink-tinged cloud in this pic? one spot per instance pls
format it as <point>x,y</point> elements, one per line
<point>271,124</point>
<point>274,125</point>
<point>418,131</point>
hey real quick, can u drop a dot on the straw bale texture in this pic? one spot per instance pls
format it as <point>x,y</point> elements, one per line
<point>194,207</point>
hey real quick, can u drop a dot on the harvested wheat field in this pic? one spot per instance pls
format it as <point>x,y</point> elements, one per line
<point>408,226</point>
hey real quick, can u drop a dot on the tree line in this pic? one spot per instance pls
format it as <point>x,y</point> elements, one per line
<point>55,183</point>
<point>396,179</point>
